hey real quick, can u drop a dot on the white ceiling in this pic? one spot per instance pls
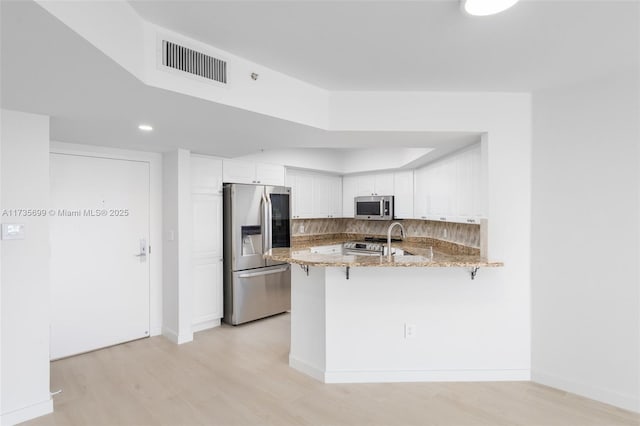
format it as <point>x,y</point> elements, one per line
<point>48,69</point>
<point>414,45</point>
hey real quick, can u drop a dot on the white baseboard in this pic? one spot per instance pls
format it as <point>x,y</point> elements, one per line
<point>27,413</point>
<point>176,338</point>
<point>309,370</point>
<point>156,330</point>
<point>607,396</point>
<point>399,376</point>
<point>205,325</point>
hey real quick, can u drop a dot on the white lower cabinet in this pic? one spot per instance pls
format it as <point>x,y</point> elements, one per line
<point>206,200</point>
<point>332,249</point>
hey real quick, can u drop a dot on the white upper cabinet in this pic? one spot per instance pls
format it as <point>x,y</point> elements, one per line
<point>314,195</point>
<point>270,174</point>
<point>349,192</point>
<point>383,184</point>
<point>451,189</point>
<point>403,194</point>
<point>374,184</point>
<point>335,201</point>
<point>238,171</point>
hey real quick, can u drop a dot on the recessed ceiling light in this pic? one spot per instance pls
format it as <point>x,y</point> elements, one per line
<point>486,7</point>
<point>145,127</point>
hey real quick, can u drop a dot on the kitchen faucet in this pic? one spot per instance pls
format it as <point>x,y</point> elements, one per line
<point>402,235</point>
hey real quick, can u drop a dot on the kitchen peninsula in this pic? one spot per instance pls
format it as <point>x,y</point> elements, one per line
<point>359,318</point>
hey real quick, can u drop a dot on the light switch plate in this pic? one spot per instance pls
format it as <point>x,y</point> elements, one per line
<point>13,231</point>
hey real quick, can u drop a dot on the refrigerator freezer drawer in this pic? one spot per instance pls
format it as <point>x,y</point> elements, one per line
<point>259,293</point>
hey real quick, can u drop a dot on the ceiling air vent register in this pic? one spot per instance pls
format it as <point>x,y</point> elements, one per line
<point>188,60</point>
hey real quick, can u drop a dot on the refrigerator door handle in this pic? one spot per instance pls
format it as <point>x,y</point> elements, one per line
<point>269,242</point>
<point>266,226</point>
<point>269,272</point>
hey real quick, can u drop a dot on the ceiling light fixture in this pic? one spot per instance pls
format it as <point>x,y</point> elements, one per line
<point>145,127</point>
<point>486,7</point>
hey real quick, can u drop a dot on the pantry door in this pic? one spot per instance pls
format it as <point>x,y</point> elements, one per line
<point>100,251</point>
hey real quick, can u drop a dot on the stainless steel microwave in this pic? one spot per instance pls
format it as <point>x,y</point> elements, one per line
<point>376,207</point>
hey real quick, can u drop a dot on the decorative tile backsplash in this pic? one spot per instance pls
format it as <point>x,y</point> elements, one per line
<point>460,233</point>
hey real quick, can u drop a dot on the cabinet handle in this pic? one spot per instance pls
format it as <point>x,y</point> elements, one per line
<point>423,217</point>
<point>443,218</point>
<point>257,181</point>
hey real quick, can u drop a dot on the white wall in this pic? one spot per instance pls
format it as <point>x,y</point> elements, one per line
<point>585,246</point>
<point>25,269</point>
<point>506,118</point>
<point>177,287</point>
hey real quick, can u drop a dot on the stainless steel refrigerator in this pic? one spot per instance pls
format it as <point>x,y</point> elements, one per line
<point>256,218</point>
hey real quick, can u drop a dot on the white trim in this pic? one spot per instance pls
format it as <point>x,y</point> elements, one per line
<point>400,376</point>
<point>205,325</point>
<point>426,376</point>
<point>607,396</point>
<point>176,338</point>
<point>155,213</point>
<point>307,369</point>
<point>27,413</point>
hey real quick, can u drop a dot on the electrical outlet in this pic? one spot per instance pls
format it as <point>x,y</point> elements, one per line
<point>409,331</point>
<point>301,229</point>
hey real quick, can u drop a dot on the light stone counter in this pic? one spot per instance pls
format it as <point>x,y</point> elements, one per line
<point>414,256</point>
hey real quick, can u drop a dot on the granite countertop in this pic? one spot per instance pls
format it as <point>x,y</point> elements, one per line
<point>302,253</point>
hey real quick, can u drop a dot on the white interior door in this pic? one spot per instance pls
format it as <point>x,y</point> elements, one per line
<point>99,253</point>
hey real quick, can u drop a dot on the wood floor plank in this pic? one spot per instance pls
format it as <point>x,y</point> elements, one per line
<point>239,376</point>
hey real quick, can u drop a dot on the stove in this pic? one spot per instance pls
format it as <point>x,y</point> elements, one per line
<point>369,246</point>
<point>363,248</point>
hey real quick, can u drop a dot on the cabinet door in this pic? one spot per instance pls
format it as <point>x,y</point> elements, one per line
<point>403,194</point>
<point>291,180</point>
<point>349,192</point>
<point>383,183</point>
<point>464,185</point>
<point>422,193</point>
<point>207,259</point>
<point>442,188</point>
<point>335,196</point>
<point>366,185</point>
<point>304,196</point>
<point>206,174</point>
<point>235,171</point>
<point>478,184</point>
<point>206,199</point>
<point>321,196</point>
<point>269,174</point>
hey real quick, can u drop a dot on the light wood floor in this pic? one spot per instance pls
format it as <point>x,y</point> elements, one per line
<point>239,376</point>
